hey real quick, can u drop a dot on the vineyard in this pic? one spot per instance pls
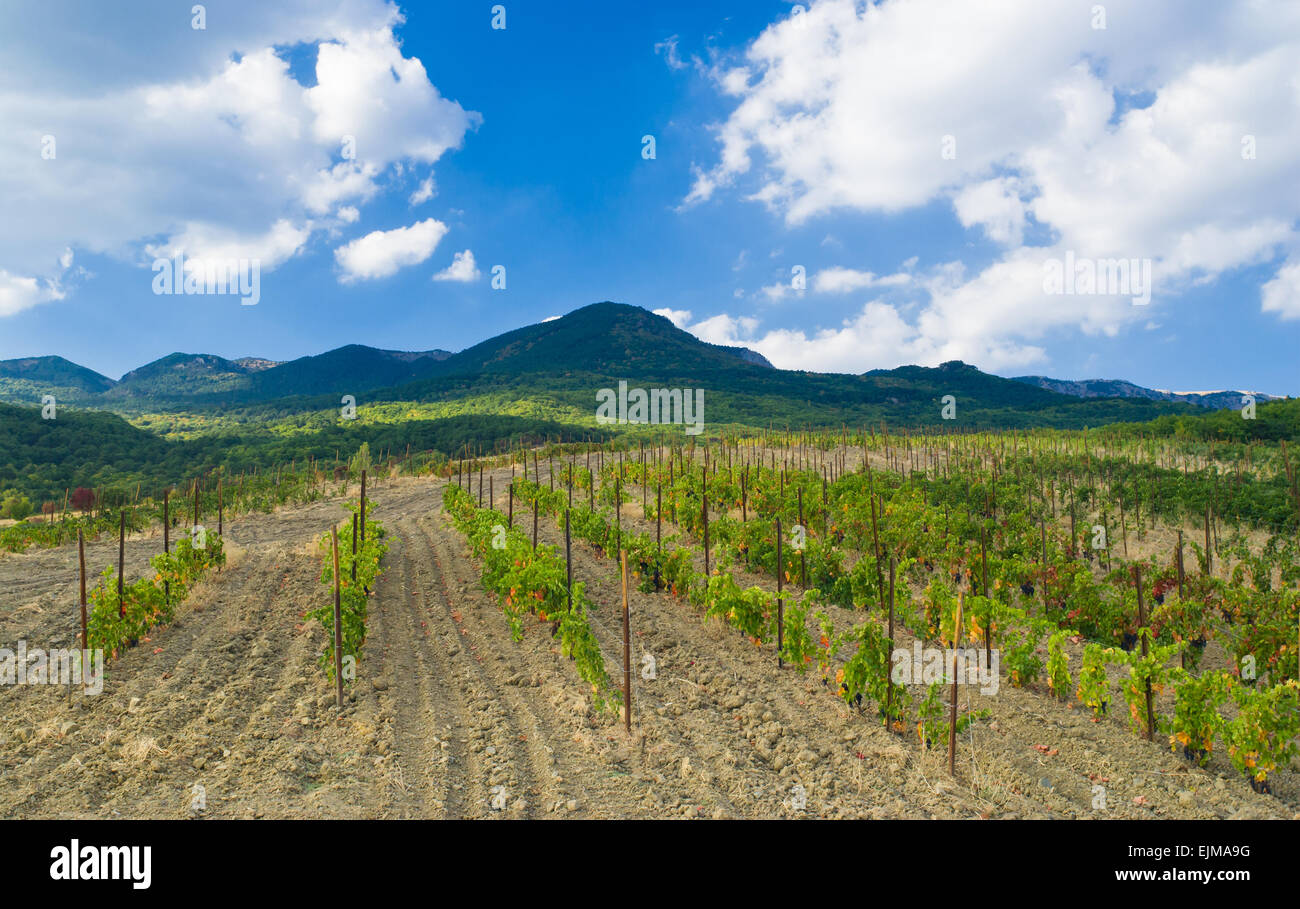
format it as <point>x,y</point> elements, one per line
<point>865,624</point>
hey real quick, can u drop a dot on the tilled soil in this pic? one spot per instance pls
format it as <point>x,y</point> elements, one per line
<point>226,712</point>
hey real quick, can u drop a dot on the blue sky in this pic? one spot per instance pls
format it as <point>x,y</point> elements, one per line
<point>780,144</point>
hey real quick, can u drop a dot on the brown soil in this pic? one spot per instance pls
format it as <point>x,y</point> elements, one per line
<point>449,717</point>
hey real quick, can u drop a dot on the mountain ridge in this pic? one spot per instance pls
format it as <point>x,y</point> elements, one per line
<point>1120,388</point>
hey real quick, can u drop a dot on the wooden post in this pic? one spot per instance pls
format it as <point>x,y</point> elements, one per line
<point>220,509</point>
<point>803,560</point>
<point>354,547</point>
<point>1209,549</point>
<point>81,557</point>
<point>744,494</point>
<point>167,538</point>
<point>568,561</point>
<point>363,506</point>
<point>1142,620</point>
<point>952,716</point>
<point>889,683</point>
<point>659,522</point>
<point>535,498</point>
<point>627,651</point>
<point>510,516</point>
<point>988,623</point>
<point>1042,524</point>
<point>780,578</point>
<point>875,545</point>
<point>121,561</point>
<point>1182,657</point>
<point>338,622</point>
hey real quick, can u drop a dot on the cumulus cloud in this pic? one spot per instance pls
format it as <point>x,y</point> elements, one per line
<point>1282,294</point>
<point>679,317</point>
<point>382,253</point>
<point>215,149</point>
<point>1106,143</point>
<point>423,193</point>
<point>462,269</point>
<point>18,293</point>
<point>839,280</point>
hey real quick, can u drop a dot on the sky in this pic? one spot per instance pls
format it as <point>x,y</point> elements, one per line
<point>1051,187</point>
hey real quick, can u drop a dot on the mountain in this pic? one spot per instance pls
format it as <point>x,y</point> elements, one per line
<point>53,372</point>
<point>611,339</point>
<point>182,379</point>
<point>352,369</point>
<point>180,375</point>
<point>1117,388</point>
<point>567,361</point>
<point>556,369</point>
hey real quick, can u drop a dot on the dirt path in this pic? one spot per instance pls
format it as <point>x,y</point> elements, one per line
<point>226,713</point>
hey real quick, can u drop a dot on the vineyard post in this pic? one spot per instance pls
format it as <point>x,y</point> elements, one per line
<point>568,561</point>
<point>779,578</point>
<point>363,513</point>
<point>1209,550</point>
<point>354,547</point>
<point>952,715</point>
<point>744,493</point>
<point>510,515</point>
<point>121,561</point>
<point>492,492</point>
<point>536,497</point>
<point>1142,620</point>
<point>889,683</point>
<point>196,503</point>
<point>875,544</point>
<point>704,512</point>
<point>659,516</point>
<point>338,623</point>
<point>480,484</point>
<point>167,529</point>
<point>627,651</point>
<point>1042,524</point>
<point>220,509</point>
<point>81,558</point>
<point>988,623</point>
<point>803,562</point>
<point>1179,562</point>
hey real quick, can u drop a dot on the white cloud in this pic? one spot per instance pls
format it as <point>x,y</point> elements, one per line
<point>212,148</point>
<point>381,253</point>
<point>995,205</point>
<point>679,317</point>
<point>1282,294</point>
<point>423,193</point>
<point>668,47</point>
<point>841,112</point>
<point>349,214</point>
<point>462,268</point>
<point>200,240</point>
<point>18,293</point>
<point>838,280</point>
<point>775,293</point>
